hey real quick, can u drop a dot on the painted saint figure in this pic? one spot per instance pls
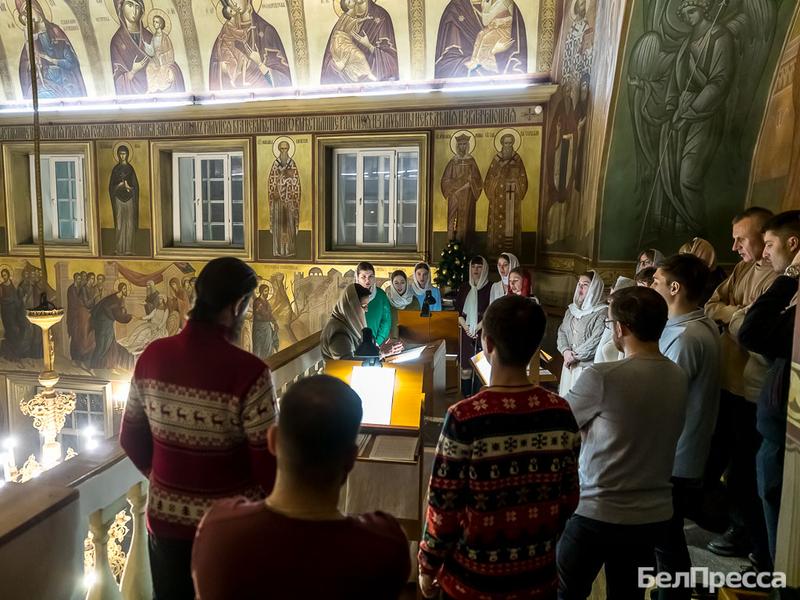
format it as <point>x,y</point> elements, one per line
<point>163,74</point>
<point>123,190</point>
<point>12,314</point>
<point>248,52</point>
<point>58,71</point>
<point>153,327</point>
<point>265,327</point>
<point>481,37</point>
<point>108,353</point>
<point>506,184</point>
<point>362,45</point>
<point>461,185</point>
<point>131,52</point>
<point>284,201</point>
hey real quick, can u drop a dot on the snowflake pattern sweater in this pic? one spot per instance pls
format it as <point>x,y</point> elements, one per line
<point>504,483</point>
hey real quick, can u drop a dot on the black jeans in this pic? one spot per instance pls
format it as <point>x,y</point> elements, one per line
<point>733,450</point>
<point>672,553</point>
<point>586,545</point>
<point>171,568</point>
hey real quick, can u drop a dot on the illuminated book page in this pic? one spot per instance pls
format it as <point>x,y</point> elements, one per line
<point>375,387</point>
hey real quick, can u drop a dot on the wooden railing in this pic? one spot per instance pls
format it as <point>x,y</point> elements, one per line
<point>299,360</point>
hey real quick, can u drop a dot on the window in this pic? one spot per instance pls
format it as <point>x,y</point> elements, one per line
<point>373,197</point>
<point>376,195</point>
<point>89,412</point>
<point>62,198</point>
<point>208,198</point>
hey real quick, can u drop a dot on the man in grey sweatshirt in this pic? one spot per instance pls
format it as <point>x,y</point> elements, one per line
<point>691,340</point>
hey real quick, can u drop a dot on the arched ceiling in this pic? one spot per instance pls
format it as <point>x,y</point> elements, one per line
<point>113,48</point>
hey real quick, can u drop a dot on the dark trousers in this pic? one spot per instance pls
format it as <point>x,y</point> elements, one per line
<point>733,451</point>
<point>770,483</point>
<point>586,545</point>
<point>171,568</point>
<point>672,553</point>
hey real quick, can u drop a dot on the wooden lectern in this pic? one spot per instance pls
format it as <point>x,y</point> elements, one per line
<point>536,373</point>
<point>441,325</point>
<point>377,472</point>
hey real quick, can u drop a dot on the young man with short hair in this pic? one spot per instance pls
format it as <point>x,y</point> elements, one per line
<point>691,340</point>
<point>379,315</point>
<point>631,414</point>
<point>504,478</point>
<point>735,440</point>
<point>296,543</point>
<point>196,420</point>
<point>768,329</point>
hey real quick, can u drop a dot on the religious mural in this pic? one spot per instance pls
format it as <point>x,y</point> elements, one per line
<point>775,180</point>
<point>124,175</point>
<point>137,47</point>
<point>58,67</point>
<point>284,198</point>
<point>563,227</point>
<point>142,53</point>
<point>486,190</point>
<point>283,188</point>
<point>479,38</point>
<point>696,76</point>
<point>362,45</point>
<point>114,310</point>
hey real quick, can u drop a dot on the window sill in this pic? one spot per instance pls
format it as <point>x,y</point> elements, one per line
<point>371,254</point>
<point>202,252</point>
<point>88,249</point>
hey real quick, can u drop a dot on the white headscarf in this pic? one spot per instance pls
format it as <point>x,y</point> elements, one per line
<point>513,263</point>
<point>415,286</point>
<point>623,282</point>
<point>471,303</point>
<point>592,301</point>
<point>373,289</point>
<point>399,300</point>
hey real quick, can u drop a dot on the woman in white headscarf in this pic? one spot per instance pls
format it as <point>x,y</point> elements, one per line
<point>607,351</point>
<point>421,284</point>
<point>471,302</point>
<point>342,334</point>
<point>580,332</point>
<point>505,263</point>
<point>401,297</point>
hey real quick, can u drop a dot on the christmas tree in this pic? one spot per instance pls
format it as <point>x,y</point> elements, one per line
<point>454,266</point>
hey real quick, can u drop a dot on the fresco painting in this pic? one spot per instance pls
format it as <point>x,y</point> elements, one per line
<point>486,189</point>
<point>697,74</point>
<point>775,179</point>
<point>137,47</point>
<point>114,310</point>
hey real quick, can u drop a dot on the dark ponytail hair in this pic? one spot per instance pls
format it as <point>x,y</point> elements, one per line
<point>222,282</point>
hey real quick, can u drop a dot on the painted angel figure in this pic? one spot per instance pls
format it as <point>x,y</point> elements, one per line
<point>691,84</point>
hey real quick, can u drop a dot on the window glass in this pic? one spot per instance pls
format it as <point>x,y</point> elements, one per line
<point>346,190</point>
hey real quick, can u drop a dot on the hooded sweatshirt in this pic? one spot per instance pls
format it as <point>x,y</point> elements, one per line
<point>692,342</point>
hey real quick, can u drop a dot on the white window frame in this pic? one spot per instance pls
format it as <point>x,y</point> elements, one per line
<point>198,158</point>
<point>50,201</point>
<point>361,154</point>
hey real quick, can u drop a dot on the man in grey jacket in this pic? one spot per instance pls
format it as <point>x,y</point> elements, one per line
<point>691,340</point>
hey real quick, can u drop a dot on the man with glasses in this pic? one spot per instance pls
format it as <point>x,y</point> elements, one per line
<point>629,436</point>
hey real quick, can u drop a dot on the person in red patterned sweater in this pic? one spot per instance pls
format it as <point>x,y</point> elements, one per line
<point>505,475</point>
<point>196,422</point>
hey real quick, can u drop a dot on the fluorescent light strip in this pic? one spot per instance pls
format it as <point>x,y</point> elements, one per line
<point>173,100</point>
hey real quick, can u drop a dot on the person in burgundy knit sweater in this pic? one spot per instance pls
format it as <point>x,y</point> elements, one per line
<point>196,422</point>
<point>505,475</point>
<point>297,544</point>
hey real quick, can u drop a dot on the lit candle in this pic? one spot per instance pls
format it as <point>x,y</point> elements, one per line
<point>6,467</point>
<point>89,433</point>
